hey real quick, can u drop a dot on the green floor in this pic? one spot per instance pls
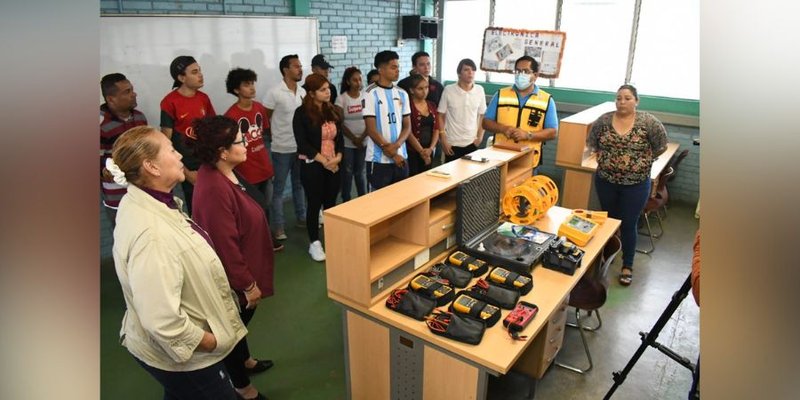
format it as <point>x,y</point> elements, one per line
<point>298,328</point>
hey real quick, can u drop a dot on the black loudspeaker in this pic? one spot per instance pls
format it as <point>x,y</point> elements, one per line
<point>419,27</point>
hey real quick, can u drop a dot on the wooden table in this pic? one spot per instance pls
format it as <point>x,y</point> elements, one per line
<point>389,355</point>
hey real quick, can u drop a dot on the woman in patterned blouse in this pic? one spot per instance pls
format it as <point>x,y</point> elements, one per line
<point>626,142</point>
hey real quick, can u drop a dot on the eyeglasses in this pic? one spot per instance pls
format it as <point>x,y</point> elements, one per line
<point>523,72</point>
<point>242,142</point>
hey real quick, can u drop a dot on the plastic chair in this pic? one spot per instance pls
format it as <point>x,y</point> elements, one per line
<point>589,295</point>
<point>673,164</point>
<point>654,203</point>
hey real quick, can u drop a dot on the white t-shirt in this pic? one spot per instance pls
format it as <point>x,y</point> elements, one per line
<point>283,102</point>
<point>388,106</point>
<point>461,109</point>
<point>353,117</point>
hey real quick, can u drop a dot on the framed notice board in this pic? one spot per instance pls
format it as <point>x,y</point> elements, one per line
<point>503,46</point>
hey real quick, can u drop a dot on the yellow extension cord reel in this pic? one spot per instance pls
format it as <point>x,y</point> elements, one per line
<point>526,203</point>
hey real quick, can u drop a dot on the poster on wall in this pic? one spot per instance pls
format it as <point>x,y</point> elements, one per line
<point>503,46</point>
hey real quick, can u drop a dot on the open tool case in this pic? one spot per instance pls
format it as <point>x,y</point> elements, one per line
<point>477,219</point>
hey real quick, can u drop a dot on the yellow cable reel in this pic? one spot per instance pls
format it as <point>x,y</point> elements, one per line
<point>526,203</point>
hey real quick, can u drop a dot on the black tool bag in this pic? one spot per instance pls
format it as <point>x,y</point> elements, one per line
<point>476,311</point>
<point>493,294</point>
<point>410,303</point>
<point>430,292</point>
<point>457,327</point>
<point>509,282</point>
<point>458,277</point>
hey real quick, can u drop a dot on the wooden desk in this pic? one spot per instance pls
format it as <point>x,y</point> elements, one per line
<point>389,355</point>
<point>580,165</point>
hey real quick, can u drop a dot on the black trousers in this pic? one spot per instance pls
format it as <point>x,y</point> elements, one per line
<point>234,361</point>
<point>322,188</point>
<point>416,164</point>
<point>459,152</point>
<point>210,383</point>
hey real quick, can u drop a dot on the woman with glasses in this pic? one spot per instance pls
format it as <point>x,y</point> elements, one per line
<point>317,130</point>
<point>180,318</point>
<point>232,211</point>
<point>626,142</point>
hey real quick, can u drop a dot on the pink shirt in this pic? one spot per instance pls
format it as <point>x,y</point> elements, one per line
<point>328,134</point>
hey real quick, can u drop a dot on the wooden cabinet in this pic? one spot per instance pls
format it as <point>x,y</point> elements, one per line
<point>376,242</point>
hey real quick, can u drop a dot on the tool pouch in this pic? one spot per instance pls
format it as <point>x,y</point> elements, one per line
<point>494,295</point>
<point>509,282</point>
<point>410,303</point>
<point>461,328</point>
<point>460,278</point>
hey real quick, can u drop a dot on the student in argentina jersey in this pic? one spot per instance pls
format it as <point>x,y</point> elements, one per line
<point>387,116</point>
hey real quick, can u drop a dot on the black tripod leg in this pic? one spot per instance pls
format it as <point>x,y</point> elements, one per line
<point>648,339</point>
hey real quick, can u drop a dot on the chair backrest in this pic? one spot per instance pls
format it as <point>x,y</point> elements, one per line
<point>590,292</point>
<point>677,161</point>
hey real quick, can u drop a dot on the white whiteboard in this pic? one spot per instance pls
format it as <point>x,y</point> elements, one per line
<point>142,47</point>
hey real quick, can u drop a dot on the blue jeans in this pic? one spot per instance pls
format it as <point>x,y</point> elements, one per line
<point>210,383</point>
<point>353,168</point>
<point>624,202</point>
<point>381,175</point>
<point>284,163</point>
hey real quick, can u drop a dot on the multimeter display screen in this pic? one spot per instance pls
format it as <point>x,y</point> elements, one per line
<point>581,224</point>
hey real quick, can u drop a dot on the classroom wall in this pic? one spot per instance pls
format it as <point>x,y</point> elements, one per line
<point>370,25</point>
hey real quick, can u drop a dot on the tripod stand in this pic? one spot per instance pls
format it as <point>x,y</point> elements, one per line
<point>649,339</point>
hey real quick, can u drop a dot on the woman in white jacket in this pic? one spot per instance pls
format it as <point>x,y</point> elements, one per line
<point>181,318</point>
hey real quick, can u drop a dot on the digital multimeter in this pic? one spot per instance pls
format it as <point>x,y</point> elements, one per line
<point>464,304</point>
<point>578,229</point>
<point>422,282</point>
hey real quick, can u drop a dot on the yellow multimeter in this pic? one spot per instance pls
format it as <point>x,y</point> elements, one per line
<point>578,229</point>
<point>422,282</point>
<point>596,216</point>
<point>459,258</point>
<point>500,275</point>
<point>464,304</point>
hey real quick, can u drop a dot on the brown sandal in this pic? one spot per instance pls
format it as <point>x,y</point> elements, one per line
<point>625,279</point>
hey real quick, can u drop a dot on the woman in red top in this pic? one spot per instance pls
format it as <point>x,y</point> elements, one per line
<point>231,211</point>
<point>424,128</point>
<point>317,130</point>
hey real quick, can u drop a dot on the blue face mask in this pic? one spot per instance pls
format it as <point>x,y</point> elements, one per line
<point>522,81</point>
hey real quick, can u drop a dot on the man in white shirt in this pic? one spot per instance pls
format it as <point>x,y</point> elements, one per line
<point>281,102</point>
<point>461,110</point>
<point>387,111</point>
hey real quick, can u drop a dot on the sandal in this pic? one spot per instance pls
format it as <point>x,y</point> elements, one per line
<point>625,279</point>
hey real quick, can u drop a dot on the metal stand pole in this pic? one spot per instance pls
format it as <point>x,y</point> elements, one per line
<point>649,339</point>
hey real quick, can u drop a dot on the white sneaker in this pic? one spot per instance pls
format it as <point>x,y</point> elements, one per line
<point>316,251</point>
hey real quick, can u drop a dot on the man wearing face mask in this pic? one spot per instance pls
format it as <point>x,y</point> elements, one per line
<point>523,113</point>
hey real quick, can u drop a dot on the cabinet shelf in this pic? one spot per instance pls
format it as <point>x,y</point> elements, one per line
<point>388,253</point>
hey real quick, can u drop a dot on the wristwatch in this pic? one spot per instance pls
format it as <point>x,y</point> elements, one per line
<point>529,136</point>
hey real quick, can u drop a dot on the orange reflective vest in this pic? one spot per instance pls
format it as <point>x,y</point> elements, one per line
<point>529,117</point>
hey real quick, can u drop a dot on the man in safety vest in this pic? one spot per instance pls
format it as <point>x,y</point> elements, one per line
<point>523,113</point>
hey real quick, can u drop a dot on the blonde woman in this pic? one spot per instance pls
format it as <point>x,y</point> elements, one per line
<point>181,318</point>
